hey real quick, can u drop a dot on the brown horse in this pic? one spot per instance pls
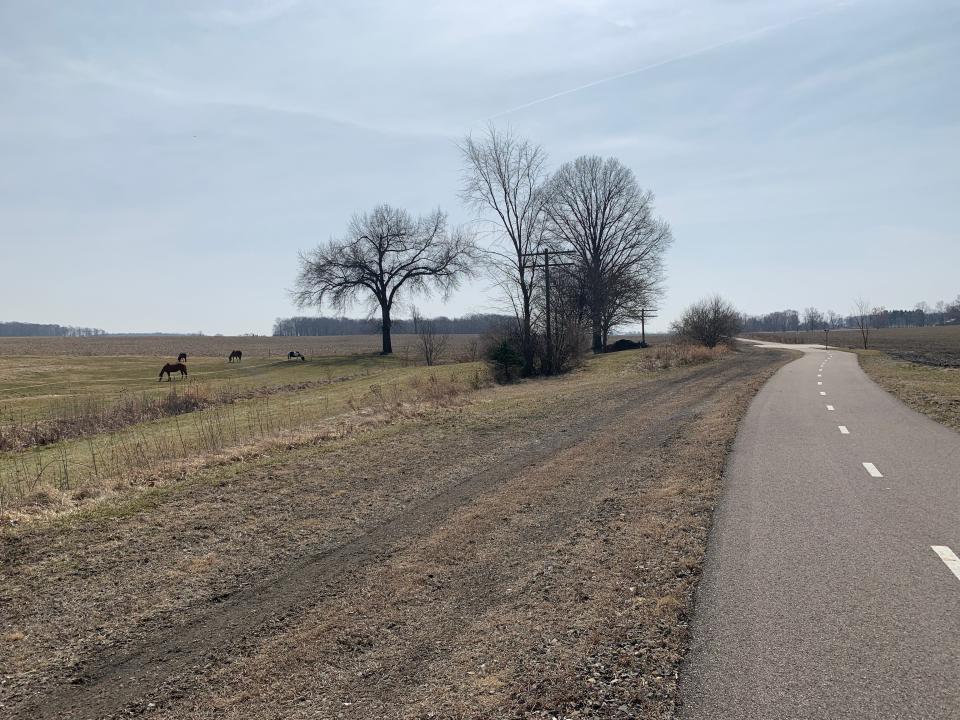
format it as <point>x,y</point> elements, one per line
<point>173,367</point>
<point>235,355</point>
<point>182,357</point>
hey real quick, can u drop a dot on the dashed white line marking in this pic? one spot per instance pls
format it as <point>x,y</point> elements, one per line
<point>829,407</point>
<point>819,383</point>
<point>948,557</point>
<point>872,469</point>
<point>822,392</point>
<point>819,375</point>
<point>843,429</point>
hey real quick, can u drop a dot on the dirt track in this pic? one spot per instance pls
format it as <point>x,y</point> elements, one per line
<point>529,555</point>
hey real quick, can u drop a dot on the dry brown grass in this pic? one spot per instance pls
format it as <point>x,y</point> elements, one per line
<point>931,390</point>
<point>149,462</point>
<point>85,415</point>
<point>671,355</point>
<point>488,569</point>
<point>168,346</point>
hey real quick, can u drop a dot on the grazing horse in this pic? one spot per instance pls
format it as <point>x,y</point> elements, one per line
<point>182,357</point>
<point>235,355</point>
<point>295,354</point>
<point>172,368</point>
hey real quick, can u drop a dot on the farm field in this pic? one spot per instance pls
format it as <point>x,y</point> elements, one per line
<point>426,543</point>
<point>166,347</point>
<point>934,345</point>
<point>919,366</point>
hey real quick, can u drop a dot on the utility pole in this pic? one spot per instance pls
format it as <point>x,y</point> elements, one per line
<point>548,324</point>
<point>644,316</point>
<point>546,278</point>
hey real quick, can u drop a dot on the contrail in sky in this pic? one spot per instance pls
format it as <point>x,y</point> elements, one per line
<point>676,58</point>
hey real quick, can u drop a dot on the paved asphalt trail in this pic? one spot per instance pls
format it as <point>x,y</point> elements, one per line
<point>823,595</point>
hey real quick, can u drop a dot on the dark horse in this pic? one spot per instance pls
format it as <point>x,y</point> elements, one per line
<point>172,368</point>
<point>295,354</point>
<point>235,355</point>
<point>182,357</point>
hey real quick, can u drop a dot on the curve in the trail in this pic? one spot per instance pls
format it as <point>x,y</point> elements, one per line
<point>831,587</point>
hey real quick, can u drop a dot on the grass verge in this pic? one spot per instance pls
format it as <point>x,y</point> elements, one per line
<point>933,391</point>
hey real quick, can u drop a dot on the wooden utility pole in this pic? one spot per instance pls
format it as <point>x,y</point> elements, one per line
<point>548,318</point>
<point>546,292</point>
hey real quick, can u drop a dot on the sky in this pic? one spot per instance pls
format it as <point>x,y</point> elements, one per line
<point>161,164</point>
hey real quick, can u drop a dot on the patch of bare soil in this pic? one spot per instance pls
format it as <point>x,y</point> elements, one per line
<point>531,555</point>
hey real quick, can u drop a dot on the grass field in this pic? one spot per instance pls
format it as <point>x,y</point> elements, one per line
<point>404,542</point>
<point>920,366</point>
<point>165,348</point>
<point>112,425</point>
<point>74,429</point>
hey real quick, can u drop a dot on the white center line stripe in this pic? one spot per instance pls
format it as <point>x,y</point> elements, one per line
<point>822,392</point>
<point>948,557</point>
<point>843,429</point>
<point>819,382</point>
<point>829,407</point>
<point>872,469</point>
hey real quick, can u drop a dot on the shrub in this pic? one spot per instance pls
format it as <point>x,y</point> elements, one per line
<point>708,322</point>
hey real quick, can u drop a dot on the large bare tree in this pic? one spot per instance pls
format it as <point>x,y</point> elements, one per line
<point>504,180</point>
<point>383,251</point>
<point>597,209</point>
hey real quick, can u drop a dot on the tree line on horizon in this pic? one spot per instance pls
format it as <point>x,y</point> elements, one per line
<point>24,329</point>
<point>471,324</point>
<point>876,317</point>
<point>590,214</point>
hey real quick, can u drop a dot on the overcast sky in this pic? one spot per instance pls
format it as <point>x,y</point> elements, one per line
<point>161,163</point>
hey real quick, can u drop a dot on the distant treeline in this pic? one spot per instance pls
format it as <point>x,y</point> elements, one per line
<point>21,329</point>
<point>312,326</point>
<point>942,313</point>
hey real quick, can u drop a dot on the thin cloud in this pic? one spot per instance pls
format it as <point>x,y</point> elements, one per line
<point>668,61</point>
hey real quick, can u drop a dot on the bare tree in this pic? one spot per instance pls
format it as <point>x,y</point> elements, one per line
<point>952,310</point>
<point>940,309</point>
<point>503,179</point>
<point>383,251</point>
<point>708,322</point>
<point>568,319</point>
<point>433,342</point>
<point>861,318</point>
<point>878,317</point>
<point>812,318</point>
<point>635,299</point>
<point>597,209</point>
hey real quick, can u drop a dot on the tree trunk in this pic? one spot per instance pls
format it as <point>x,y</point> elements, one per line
<point>527,340</point>
<point>597,329</point>
<point>385,330</point>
